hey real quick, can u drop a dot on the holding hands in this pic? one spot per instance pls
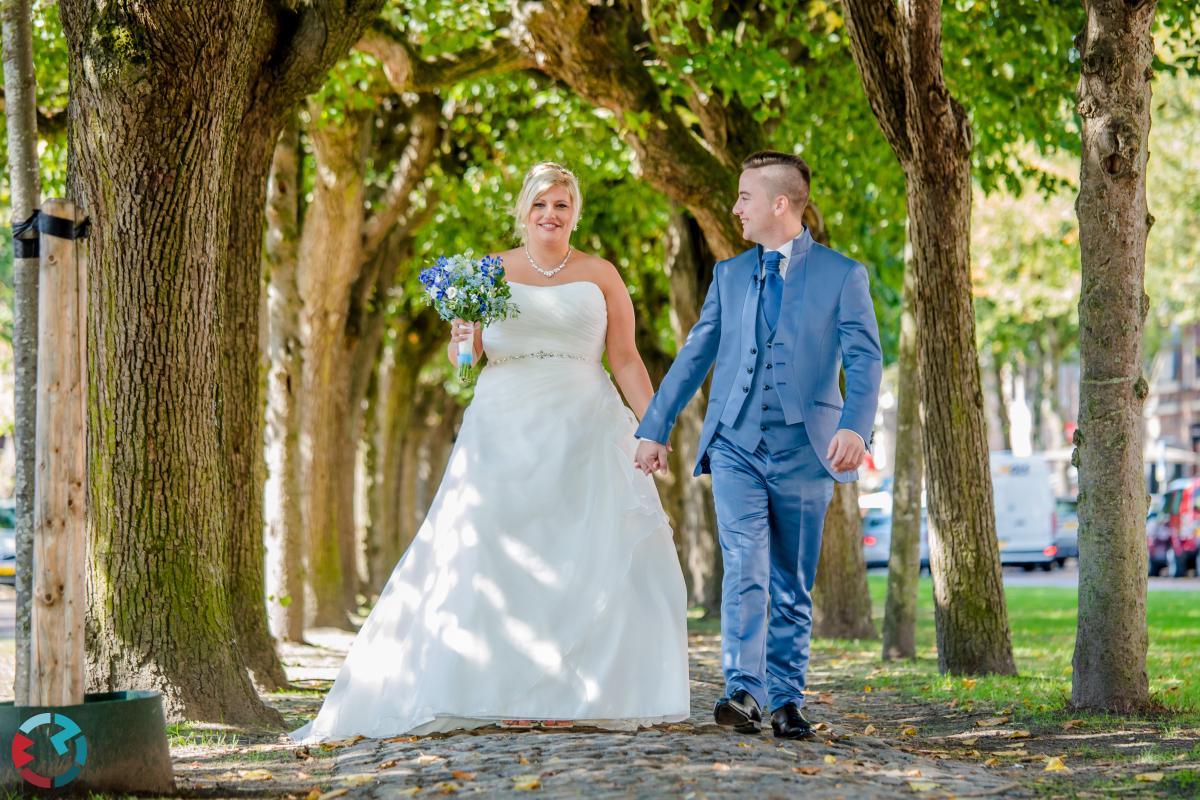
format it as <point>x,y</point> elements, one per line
<point>651,457</point>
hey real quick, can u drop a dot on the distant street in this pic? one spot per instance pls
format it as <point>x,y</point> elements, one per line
<point>1069,577</point>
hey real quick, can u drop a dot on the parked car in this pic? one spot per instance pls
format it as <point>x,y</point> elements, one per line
<point>877,538</point>
<point>1171,538</point>
<point>1067,536</point>
<point>8,543</point>
<point>1026,522</point>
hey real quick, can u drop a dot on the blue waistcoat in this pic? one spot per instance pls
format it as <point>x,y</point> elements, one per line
<point>761,417</point>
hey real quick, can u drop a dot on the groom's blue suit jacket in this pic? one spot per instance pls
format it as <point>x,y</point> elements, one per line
<point>826,319</point>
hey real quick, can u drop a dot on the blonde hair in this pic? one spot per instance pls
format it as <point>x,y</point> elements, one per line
<point>540,178</point>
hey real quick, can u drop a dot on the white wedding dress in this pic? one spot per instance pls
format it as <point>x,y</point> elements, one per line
<point>543,585</point>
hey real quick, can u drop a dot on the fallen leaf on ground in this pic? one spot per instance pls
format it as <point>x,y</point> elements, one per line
<point>1055,764</point>
<point>522,760</point>
<point>409,792</point>
<point>458,774</point>
<point>857,716</point>
<point>969,741</point>
<point>1148,777</point>
<point>830,759</point>
<point>402,739</point>
<point>331,795</point>
<point>446,787</point>
<point>867,688</point>
<point>913,773</point>
<point>720,766</point>
<point>991,722</point>
<point>992,762</point>
<point>428,759</point>
<point>1072,723</point>
<point>314,793</point>
<point>825,697</point>
<point>909,731</point>
<point>922,786</point>
<point>869,730</point>
<point>821,726</point>
<point>1018,735</point>
<point>527,783</point>
<point>358,780</point>
<point>255,775</point>
<point>968,683</point>
<point>391,762</point>
<point>301,752</point>
<point>807,770</point>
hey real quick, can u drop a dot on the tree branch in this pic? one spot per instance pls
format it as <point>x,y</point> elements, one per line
<point>876,40</point>
<point>49,123</point>
<point>407,73</point>
<point>418,153</point>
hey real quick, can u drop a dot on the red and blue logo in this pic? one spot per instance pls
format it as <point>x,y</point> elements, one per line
<point>62,742</point>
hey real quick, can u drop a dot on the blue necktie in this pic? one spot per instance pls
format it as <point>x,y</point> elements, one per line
<point>772,291</point>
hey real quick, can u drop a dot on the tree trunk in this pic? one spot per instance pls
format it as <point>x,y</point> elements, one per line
<point>243,369</point>
<point>904,558</point>
<point>1002,396</point>
<point>1114,103</point>
<point>20,92</point>
<point>898,53</point>
<point>152,152</point>
<point>841,601</point>
<point>696,523</point>
<point>329,261</point>
<point>284,523</point>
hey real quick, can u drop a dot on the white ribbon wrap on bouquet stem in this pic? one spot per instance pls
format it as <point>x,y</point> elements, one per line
<point>466,351</point>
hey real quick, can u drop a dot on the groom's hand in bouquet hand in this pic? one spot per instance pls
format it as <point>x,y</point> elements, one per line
<point>846,450</point>
<point>651,457</point>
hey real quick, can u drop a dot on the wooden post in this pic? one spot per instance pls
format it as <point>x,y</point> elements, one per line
<point>60,484</point>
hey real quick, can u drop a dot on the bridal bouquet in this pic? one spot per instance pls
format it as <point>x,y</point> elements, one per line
<point>460,287</point>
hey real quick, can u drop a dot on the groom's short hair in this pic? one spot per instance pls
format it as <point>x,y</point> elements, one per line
<point>787,174</point>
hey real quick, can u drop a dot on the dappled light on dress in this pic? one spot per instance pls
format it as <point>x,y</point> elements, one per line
<point>543,583</point>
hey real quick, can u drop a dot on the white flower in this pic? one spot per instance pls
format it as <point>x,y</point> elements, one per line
<point>432,292</point>
<point>452,292</point>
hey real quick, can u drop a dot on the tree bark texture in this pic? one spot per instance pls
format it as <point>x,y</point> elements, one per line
<point>174,114</point>
<point>1114,103</point>
<point>20,111</point>
<point>282,505</point>
<point>695,521</point>
<point>904,559</point>
<point>841,601</point>
<point>897,49</point>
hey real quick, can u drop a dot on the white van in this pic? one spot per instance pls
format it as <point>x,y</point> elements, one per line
<point>1025,519</point>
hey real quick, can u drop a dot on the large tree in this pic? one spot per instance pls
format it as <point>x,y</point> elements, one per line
<point>175,112</point>
<point>898,51</point>
<point>1116,51</point>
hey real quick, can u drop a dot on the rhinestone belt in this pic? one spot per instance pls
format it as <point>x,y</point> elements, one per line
<point>544,354</point>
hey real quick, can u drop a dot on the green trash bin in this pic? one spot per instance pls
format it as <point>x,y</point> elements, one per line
<point>112,742</point>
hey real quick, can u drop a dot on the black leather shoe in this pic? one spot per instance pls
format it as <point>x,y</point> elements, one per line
<point>739,711</point>
<point>788,722</point>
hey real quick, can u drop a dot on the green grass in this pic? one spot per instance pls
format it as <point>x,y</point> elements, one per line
<point>1042,621</point>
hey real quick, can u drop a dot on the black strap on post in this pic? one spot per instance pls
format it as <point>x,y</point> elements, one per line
<point>61,228</point>
<point>22,247</point>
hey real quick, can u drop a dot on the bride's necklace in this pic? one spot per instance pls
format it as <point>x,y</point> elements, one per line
<point>549,273</point>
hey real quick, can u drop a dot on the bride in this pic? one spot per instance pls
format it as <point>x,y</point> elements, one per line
<point>543,587</point>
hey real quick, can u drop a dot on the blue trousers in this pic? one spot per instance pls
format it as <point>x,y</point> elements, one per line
<point>770,514</point>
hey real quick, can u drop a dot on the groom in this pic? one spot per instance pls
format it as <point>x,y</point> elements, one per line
<point>778,321</point>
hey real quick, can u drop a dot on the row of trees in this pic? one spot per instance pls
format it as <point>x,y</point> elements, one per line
<point>357,164</point>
